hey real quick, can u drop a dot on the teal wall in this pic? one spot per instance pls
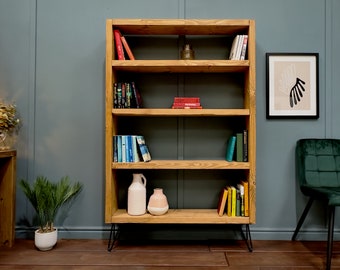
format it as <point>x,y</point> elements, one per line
<point>52,65</point>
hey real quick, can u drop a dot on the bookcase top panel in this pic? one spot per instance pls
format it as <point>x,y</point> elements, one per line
<point>180,26</point>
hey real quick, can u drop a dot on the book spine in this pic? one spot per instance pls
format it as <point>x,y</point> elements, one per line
<point>245,145</point>
<point>124,157</point>
<point>233,48</point>
<point>187,104</point>
<point>118,42</point>
<point>246,198</point>
<point>186,107</point>
<point>239,147</point>
<point>146,156</point>
<point>186,100</point>
<point>119,148</point>
<point>233,201</point>
<point>136,95</point>
<point>222,202</point>
<point>239,47</point>
<point>135,149</point>
<point>231,148</point>
<point>229,205</point>
<point>127,48</point>
<point>244,47</point>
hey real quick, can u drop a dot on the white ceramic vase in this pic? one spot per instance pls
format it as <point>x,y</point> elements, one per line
<point>45,241</point>
<point>137,195</point>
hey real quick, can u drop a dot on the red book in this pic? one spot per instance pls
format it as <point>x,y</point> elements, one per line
<point>119,46</point>
<point>127,48</point>
<point>186,99</point>
<point>187,104</point>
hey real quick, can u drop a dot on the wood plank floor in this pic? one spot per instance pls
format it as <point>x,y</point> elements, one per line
<point>93,254</point>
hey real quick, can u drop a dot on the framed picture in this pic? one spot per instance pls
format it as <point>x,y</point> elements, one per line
<point>292,85</point>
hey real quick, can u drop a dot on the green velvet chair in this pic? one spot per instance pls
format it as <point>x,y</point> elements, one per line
<point>318,173</point>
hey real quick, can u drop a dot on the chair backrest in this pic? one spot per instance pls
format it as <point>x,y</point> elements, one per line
<point>318,162</point>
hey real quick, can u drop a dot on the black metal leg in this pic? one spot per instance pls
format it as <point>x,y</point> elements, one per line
<point>330,236</point>
<point>114,235</point>
<point>247,238</point>
<point>302,218</point>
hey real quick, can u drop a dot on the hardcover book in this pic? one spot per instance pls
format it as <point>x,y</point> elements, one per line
<point>222,202</point>
<point>146,156</point>
<point>127,48</point>
<point>231,148</point>
<point>119,46</point>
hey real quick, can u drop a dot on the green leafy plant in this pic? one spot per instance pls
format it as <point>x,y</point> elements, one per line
<point>47,198</point>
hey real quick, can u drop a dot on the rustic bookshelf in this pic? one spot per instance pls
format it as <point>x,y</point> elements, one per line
<point>179,29</point>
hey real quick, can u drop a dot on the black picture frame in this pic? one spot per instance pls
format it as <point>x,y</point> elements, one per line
<point>292,85</point>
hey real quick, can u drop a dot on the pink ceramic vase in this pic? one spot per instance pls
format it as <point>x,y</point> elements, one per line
<point>158,203</point>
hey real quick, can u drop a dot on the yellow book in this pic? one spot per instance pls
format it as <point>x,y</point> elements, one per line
<point>246,198</point>
<point>233,201</point>
<point>229,202</point>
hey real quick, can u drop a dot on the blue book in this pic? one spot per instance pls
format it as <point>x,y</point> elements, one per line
<point>231,148</point>
<point>119,148</point>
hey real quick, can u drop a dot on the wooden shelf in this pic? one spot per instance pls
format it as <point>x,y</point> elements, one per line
<point>183,164</point>
<point>180,112</point>
<point>179,216</point>
<point>181,66</point>
<point>180,26</point>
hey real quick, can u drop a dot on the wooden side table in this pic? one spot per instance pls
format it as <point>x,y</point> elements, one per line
<point>7,197</point>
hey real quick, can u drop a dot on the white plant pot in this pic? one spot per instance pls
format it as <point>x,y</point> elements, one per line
<point>45,241</point>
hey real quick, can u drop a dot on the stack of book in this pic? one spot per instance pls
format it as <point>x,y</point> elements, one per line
<point>234,200</point>
<point>130,148</point>
<point>186,103</point>
<point>126,95</point>
<point>239,48</point>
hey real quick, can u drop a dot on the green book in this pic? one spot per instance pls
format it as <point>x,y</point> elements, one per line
<point>239,147</point>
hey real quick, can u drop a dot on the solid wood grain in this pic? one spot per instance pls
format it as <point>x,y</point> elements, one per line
<point>181,66</point>
<point>182,164</point>
<point>7,197</point>
<point>85,254</point>
<point>180,112</point>
<point>179,216</point>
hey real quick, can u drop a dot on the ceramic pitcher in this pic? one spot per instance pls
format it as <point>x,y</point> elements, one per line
<point>137,195</point>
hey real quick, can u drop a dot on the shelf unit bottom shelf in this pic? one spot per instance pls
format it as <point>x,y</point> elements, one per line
<point>179,216</point>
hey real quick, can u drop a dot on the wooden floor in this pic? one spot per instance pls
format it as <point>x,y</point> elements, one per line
<point>93,254</point>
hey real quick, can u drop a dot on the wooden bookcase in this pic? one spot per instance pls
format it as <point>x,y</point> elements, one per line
<point>147,63</point>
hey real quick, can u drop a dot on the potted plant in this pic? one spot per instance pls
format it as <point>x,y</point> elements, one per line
<point>9,125</point>
<point>47,198</point>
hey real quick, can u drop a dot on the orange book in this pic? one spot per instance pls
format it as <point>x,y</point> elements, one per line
<point>246,198</point>
<point>127,48</point>
<point>222,202</point>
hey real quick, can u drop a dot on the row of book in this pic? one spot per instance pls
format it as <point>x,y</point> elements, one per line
<point>234,200</point>
<point>130,148</point>
<point>239,48</point>
<point>126,95</point>
<point>186,103</point>
<point>237,147</point>
<point>122,47</point>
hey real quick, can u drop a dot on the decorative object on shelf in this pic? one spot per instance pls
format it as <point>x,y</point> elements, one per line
<point>158,203</point>
<point>292,85</point>
<point>187,53</point>
<point>9,125</point>
<point>47,198</point>
<point>137,195</point>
